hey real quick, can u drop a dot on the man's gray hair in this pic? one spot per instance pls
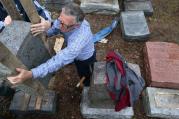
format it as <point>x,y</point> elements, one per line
<point>73,9</point>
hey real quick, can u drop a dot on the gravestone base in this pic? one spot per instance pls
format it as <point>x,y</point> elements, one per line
<point>96,102</point>
<point>161,103</point>
<point>89,112</point>
<point>134,26</point>
<point>145,6</point>
<point>100,6</point>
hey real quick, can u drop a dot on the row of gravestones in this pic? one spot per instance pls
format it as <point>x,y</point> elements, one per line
<point>96,102</point>
<point>133,23</point>
<point>132,20</point>
<point>160,98</point>
<point>26,48</point>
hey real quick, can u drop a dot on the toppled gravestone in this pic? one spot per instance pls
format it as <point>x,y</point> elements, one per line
<point>96,102</point>
<point>56,4</point>
<point>162,64</point>
<point>135,5</point>
<point>162,103</point>
<point>100,6</point>
<point>23,103</point>
<point>32,87</point>
<point>5,88</point>
<point>134,26</point>
<point>18,45</point>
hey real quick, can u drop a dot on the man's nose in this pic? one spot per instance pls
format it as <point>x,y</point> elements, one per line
<point>59,18</point>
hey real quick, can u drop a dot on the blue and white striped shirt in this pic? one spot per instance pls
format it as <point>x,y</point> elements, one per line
<point>80,46</point>
<point>1,24</point>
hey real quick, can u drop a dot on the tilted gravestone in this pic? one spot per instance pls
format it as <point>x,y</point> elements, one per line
<point>56,4</point>
<point>161,103</point>
<point>162,64</point>
<point>32,87</point>
<point>134,26</point>
<point>100,6</point>
<point>145,6</point>
<point>5,88</point>
<point>20,49</point>
<point>96,102</point>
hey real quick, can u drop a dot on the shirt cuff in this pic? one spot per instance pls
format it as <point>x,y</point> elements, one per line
<point>35,73</point>
<point>2,25</point>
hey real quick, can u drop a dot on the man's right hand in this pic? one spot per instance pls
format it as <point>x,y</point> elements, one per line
<point>7,20</point>
<point>41,27</point>
<point>22,76</point>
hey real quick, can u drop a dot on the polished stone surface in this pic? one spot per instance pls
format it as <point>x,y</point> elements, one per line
<point>161,103</point>
<point>145,6</point>
<point>100,6</point>
<point>134,26</point>
<point>162,64</point>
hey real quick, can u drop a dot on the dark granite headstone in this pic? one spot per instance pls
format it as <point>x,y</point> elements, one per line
<point>100,6</point>
<point>162,64</point>
<point>29,50</point>
<point>134,26</point>
<point>145,6</point>
<point>29,86</point>
<point>161,103</point>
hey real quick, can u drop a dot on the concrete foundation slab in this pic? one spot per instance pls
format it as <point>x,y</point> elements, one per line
<point>89,112</point>
<point>145,6</point>
<point>96,102</point>
<point>100,6</point>
<point>162,103</point>
<point>134,26</point>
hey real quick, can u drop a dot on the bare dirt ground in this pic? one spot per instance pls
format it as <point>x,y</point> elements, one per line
<point>164,26</point>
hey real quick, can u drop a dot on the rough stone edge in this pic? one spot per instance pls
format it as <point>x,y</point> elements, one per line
<point>95,113</point>
<point>151,108</point>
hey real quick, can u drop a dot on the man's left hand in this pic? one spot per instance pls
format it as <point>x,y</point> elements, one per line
<point>7,20</point>
<point>44,25</point>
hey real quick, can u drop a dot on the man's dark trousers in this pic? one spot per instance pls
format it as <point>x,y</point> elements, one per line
<point>85,68</point>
